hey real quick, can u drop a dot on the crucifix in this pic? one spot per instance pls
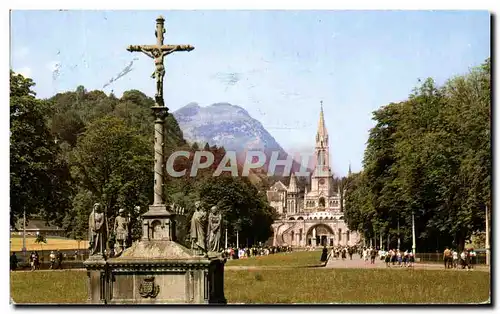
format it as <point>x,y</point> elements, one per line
<point>158,52</point>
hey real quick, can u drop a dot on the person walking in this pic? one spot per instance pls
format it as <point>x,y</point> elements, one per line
<point>52,258</point>
<point>454,255</point>
<point>373,255</point>
<point>388,259</point>
<point>411,259</point>
<point>350,251</point>
<point>324,255</point>
<point>399,258</point>
<point>472,258</point>
<point>463,259</point>
<point>13,261</point>
<point>446,257</point>
<point>59,257</point>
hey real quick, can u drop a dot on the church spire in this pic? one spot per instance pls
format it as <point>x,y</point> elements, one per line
<point>322,133</point>
<point>292,187</point>
<point>349,171</point>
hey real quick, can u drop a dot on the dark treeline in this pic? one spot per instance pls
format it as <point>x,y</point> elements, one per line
<point>431,156</point>
<point>81,147</point>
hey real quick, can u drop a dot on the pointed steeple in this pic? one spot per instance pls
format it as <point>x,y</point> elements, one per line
<point>349,172</point>
<point>322,133</point>
<point>293,188</point>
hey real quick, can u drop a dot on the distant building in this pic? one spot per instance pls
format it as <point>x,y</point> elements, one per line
<point>38,226</point>
<point>312,217</point>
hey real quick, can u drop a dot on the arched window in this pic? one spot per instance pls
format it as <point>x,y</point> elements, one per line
<point>291,218</point>
<point>300,218</point>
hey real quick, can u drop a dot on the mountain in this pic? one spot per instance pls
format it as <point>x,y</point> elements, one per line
<point>227,125</point>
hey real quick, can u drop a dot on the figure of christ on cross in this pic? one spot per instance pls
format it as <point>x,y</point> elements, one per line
<point>158,53</point>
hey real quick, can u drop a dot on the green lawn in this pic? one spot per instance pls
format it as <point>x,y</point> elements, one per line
<point>292,285</point>
<point>295,259</point>
<point>355,286</point>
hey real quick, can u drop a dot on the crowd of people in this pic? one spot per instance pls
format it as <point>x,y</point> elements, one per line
<point>465,260</point>
<point>246,252</point>
<point>35,261</point>
<point>395,257</point>
<point>392,257</point>
<point>398,258</point>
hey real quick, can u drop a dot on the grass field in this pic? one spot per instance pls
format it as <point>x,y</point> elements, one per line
<point>295,283</point>
<point>16,244</point>
<point>289,286</point>
<point>296,259</point>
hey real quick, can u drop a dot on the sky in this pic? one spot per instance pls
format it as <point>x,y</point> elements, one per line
<point>278,65</point>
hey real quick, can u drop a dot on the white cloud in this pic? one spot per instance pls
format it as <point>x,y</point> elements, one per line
<point>24,71</point>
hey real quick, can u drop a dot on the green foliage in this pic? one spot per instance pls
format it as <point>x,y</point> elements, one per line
<point>429,156</point>
<point>40,238</point>
<point>243,208</point>
<point>104,144</point>
<point>39,178</point>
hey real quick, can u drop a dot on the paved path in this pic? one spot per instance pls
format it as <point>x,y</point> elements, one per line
<point>359,263</point>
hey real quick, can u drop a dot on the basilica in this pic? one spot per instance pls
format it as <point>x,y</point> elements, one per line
<point>312,217</point>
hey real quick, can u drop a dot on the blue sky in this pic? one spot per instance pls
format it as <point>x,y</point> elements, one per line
<point>278,65</point>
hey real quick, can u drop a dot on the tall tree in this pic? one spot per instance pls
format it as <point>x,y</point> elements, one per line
<point>113,163</point>
<point>39,179</point>
<point>430,157</point>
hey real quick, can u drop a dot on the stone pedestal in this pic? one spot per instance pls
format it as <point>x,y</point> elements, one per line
<point>97,273</point>
<point>156,272</point>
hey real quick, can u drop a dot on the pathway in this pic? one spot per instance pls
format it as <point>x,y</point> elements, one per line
<point>359,263</point>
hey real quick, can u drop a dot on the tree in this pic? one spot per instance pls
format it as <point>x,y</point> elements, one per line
<point>39,177</point>
<point>429,156</point>
<point>243,208</point>
<point>111,164</point>
<point>40,239</point>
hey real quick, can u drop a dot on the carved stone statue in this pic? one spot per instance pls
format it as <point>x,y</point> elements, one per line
<point>98,231</point>
<point>198,234</point>
<point>121,231</point>
<point>214,229</point>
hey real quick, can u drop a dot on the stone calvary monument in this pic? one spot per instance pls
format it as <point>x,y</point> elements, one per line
<point>156,269</point>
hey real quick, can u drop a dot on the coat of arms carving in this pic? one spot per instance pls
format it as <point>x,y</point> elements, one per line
<point>148,289</point>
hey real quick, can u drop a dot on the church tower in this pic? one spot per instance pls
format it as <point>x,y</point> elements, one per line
<point>293,195</point>
<point>321,180</point>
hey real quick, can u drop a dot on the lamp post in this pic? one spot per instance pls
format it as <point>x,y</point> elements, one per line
<point>399,237</point>
<point>24,235</point>
<point>237,239</point>
<point>487,244</point>
<point>226,238</point>
<point>414,246</point>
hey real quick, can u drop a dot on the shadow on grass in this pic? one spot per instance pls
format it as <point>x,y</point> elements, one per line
<point>314,266</point>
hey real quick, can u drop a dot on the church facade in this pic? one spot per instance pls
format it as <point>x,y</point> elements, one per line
<point>312,217</point>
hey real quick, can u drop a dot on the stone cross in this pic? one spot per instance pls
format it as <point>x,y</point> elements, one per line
<point>158,52</point>
<point>160,111</point>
